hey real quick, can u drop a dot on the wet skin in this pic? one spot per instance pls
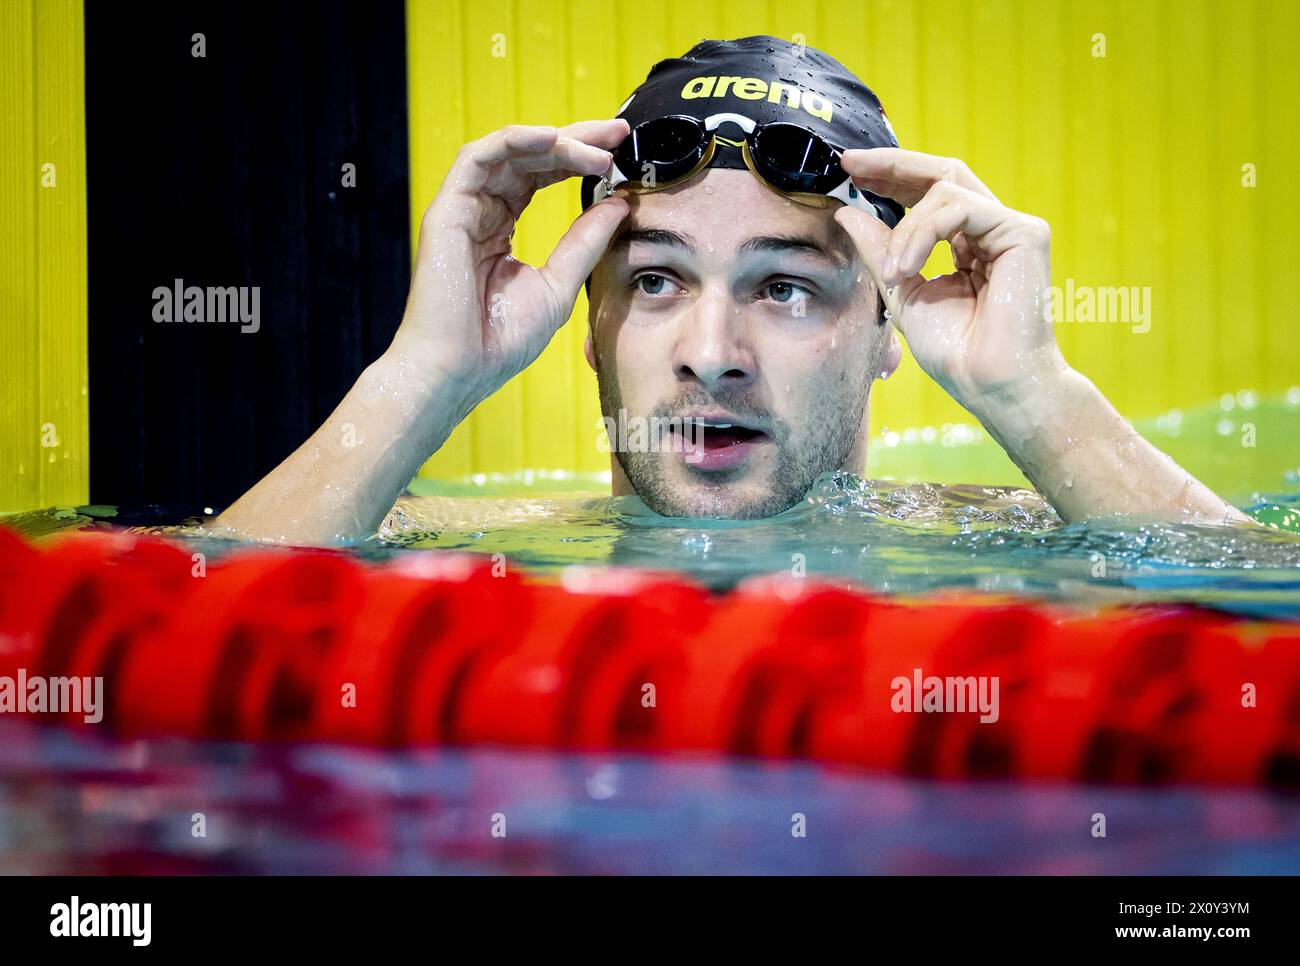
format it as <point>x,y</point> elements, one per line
<point>700,323</point>
<point>751,320</point>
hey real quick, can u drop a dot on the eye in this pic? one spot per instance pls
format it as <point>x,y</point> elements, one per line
<point>653,284</point>
<point>786,292</point>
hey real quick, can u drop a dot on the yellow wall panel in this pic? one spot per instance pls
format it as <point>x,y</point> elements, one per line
<point>1134,157</point>
<point>43,394</point>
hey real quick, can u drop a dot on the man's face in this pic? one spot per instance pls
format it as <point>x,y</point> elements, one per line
<point>723,302</point>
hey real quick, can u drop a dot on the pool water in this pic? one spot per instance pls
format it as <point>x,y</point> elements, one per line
<point>890,537</point>
<point>76,803</point>
<point>887,536</point>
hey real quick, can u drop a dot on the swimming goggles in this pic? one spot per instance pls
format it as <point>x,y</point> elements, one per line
<point>789,159</point>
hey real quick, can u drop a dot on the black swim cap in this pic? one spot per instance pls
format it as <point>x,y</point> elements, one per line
<point>766,79</point>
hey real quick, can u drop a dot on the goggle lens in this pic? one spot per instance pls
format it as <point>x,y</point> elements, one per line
<point>792,159</point>
<point>662,151</point>
<point>672,146</point>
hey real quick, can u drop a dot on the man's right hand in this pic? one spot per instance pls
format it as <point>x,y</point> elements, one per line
<point>475,316</point>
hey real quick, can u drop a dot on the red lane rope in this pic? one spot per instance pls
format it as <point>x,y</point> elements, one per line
<point>273,644</point>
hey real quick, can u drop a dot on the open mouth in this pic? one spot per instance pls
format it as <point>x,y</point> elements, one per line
<point>715,444</point>
<point>724,435</point>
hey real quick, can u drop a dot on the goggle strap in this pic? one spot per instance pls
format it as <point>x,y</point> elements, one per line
<point>848,193</point>
<point>606,185</point>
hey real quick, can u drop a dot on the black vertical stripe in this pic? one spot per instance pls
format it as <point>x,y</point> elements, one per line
<point>227,170</point>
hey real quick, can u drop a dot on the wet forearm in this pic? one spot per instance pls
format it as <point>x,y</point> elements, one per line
<point>342,481</point>
<point>1088,460</point>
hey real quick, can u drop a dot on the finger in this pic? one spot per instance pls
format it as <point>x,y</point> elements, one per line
<point>963,256</point>
<point>509,141</point>
<point>501,163</point>
<point>910,169</point>
<point>871,238</point>
<point>519,140</point>
<point>532,172</point>
<point>906,176</point>
<point>945,210</point>
<point>581,248</point>
<point>472,193</point>
<point>568,156</point>
<point>517,179</point>
<point>601,134</point>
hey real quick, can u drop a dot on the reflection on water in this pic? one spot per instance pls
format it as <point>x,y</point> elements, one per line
<point>72,803</point>
<point>892,537</point>
<point>888,536</point>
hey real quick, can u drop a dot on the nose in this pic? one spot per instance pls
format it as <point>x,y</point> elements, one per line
<point>713,347</point>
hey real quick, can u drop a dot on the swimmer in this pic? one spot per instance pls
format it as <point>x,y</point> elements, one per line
<point>752,240</point>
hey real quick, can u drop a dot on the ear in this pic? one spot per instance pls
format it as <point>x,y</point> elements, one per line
<point>588,350</point>
<point>891,355</point>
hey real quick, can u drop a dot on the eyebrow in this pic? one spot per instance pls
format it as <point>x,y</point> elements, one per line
<point>653,236</point>
<point>802,244</point>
